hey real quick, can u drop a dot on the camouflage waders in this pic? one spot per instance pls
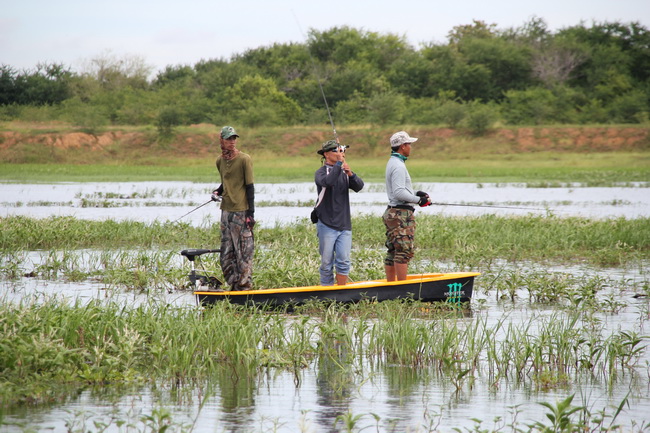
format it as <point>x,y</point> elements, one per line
<point>400,233</point>
<point>237,247</point>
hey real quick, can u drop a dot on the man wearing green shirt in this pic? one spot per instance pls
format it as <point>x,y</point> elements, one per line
<point>237,194</point>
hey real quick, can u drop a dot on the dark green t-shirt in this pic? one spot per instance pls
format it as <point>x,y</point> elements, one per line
<point>235,175</point>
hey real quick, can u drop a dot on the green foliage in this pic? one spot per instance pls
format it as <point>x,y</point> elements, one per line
<point>256,101</point>
<point>386,108</point>
<point>167,119</point>
<point>630,107</point>
<point>352,110</point>
<point>452,113</point>
<point>47,84</point>
<point>580,74</point>
<point>532,106</point>
<point>90,118</point>
<point>480,118</point>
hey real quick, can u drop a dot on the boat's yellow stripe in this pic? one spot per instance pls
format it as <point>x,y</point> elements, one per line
<point>421,278</point>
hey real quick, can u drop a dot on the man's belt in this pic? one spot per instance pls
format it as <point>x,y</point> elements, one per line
<point>402,206</point>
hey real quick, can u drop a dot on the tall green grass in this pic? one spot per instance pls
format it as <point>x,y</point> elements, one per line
<point>464,240</point>
<point>50,347</point>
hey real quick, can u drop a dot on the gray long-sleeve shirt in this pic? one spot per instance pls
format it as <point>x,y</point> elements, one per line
<point>334,210</point>
<point>398,183</point>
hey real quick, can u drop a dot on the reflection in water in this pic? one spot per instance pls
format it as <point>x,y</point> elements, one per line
<point>237,390</point>
<point>334,380</point>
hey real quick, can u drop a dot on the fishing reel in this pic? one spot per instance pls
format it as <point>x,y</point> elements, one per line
<point>342,148</point>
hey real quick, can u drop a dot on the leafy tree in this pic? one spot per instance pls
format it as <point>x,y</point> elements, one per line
<point>480,117</point>
<point>452,113</point>
<point>354,110</point>
<point>452,72</point>
<point>410,75</point>
<point>422,111</point>
<point>284,63</point>
<point>630,107</point>
<point>477,30</point>
<point>262,93</point>
<point>167,119</point>
<point>608,49</point>
<point>341,45</point>
<point>47,84</point>
<point>90,118</point>
<point>533,106</point>
<point>507,65</point>
<point>386,108</point>
<point>174,74</point>
<point>341,82</point>
<point>114,73</point>
<point>8,91</point>
<point>214,77</point>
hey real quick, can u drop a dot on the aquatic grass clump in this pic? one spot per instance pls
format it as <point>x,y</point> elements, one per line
<point>468,241</point>
<point>125,269</point>
<point>64,232</point>
<point>53,346</point>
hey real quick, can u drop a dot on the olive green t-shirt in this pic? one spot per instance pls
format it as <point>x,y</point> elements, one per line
<point>235,175</point>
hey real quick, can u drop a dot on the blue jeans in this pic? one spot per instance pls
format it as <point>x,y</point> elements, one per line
<point>334,247</point>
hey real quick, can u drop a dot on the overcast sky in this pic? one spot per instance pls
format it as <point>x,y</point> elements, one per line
<point>183,32</point>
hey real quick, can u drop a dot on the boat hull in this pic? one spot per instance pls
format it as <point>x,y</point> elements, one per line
<point>448,287</point>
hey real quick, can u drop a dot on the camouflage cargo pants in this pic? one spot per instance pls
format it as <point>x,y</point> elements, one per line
<point>400,234</point>
<point>237,248</point>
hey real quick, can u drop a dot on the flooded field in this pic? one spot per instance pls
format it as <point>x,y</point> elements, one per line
<point>349,389</point>
<point>286,203</point>
<point>378,397</point>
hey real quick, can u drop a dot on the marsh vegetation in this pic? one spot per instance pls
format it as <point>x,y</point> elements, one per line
<point>552,335</point>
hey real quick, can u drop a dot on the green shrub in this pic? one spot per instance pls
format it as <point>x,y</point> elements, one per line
<point>480,118</point>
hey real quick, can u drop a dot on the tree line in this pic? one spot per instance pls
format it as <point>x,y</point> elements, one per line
<point>481,75</point>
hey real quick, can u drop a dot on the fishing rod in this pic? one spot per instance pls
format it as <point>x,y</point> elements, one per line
<point>320,85</point>
<point>196,208</point>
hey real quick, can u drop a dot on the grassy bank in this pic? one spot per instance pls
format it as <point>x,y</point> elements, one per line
<point>593,155</point>
<point>598,169</point>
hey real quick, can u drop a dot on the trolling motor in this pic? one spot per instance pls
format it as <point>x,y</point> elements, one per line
<point>201,281</point>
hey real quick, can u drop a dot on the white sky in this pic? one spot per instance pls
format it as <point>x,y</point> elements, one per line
<point>182,32</point>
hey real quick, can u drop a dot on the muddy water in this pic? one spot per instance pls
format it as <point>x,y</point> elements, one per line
<point>387,399</point>
<point>286,203</point>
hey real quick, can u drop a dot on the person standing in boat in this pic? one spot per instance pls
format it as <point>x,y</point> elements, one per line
<point>237,194</point>
<point>334,180</point>
<point>399,216</point>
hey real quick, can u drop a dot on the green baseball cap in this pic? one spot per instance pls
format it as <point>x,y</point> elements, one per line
<point>328,146</point>
<point>227,132</point>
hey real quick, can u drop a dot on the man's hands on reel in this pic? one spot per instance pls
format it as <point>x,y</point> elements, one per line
<point>424,199</point>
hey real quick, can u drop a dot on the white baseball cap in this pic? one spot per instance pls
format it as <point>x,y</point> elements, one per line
<point>399,138</point>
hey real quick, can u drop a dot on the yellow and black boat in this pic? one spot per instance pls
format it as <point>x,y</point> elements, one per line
<point>453,287</point>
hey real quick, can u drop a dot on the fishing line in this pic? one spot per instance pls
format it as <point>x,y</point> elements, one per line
<point>320,85</point>
<point>487,205</point>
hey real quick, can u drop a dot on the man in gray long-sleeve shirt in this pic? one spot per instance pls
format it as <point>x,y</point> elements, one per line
<point>399,217</point>
<point>334,226</point>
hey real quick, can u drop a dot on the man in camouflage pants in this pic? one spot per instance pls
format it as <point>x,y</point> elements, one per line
<point>399,217</point>
<point>237,192</point>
